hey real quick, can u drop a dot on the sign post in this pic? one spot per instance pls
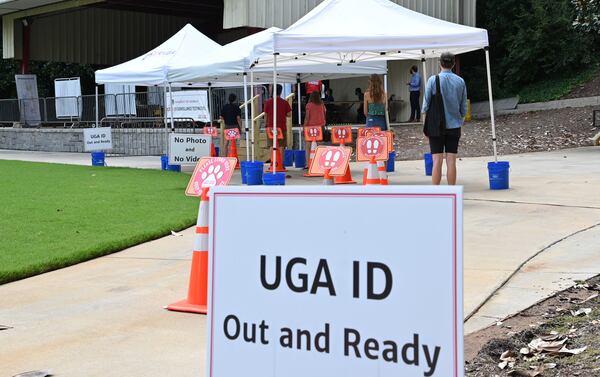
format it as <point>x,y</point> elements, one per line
<point>343,302</point>
<point>209,172</point>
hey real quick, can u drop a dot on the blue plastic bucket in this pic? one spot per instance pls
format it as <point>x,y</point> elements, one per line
<point>300,159</point>
<point>164,162</point>
<point>244,168</point>
<point>217,151</point>
<point>254,173</point>
<point>274,179</point>
<point>174,168</point>
<point>498,173</point>
<point>428,163</point>
<point>391,162</point>
<point>288,157</point>
<point>98,159</point>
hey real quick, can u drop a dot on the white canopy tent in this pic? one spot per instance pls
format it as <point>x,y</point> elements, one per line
<point>232,62</point>
<point>152,68</point>
<point>350,31</point>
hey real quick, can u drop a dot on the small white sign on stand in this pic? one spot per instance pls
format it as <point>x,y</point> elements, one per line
<point>187,149</point>
<point>97,139</point>
<point>335,281</point>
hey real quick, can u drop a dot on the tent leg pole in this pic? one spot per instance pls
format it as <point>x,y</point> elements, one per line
<point>166,118</point>
<point>273,157</point>
<point>299,99</point>
<point>385,89</point>
<point>246,116</point>
<point>424,61</point>
<point>491,99</point>
<point>210,112</point>
<point>253,111</point>
<point>97,109</point>
<point>171,103</point>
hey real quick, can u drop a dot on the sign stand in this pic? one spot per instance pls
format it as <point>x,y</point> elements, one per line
<point>213,132</point>
<point>341,136</point>
<point>232,135</point>
<point>196,301</point>
<point>276,157</point>
<point>313,134</point>
<point>209,172</point>
<point>372,148</point>
<point>330,162</point>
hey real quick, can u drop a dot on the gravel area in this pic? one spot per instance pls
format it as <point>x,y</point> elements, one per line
<point>529,132</point>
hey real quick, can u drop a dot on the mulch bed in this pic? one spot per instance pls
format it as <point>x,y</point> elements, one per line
<point>558,337</point>
<point>519,133</point>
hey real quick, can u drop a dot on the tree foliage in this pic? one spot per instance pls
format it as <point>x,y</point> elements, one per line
<point>587,17</point>
<point>46,73</point>
<point>534,39</point>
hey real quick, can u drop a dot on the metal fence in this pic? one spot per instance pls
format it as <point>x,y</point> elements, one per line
<point>81,111</point>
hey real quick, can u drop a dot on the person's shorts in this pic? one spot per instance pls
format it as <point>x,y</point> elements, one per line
<point>377,121</point>
<point>447,143</point>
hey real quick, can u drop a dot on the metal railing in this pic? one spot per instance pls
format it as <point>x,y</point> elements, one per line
<point>81,111</point>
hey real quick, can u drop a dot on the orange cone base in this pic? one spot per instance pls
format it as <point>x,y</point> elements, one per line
<point>185,306</point>
<point>313,175</point>
<point>346,179</point>
<point>278,163</point>
<point>384,182</point>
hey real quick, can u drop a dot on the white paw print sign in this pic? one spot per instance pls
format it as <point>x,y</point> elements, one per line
<point>232,134</point>
<point>372,146</point>
<point>334,159</point>
<point>209,172</point>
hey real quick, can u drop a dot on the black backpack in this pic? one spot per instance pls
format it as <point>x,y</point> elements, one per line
<point>435,120</point>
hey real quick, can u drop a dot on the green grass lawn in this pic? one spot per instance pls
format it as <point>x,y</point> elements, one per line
<point>53,216</point>
<point>554,88</point>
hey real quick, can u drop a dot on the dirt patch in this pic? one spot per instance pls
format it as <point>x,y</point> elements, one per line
<point>556,319</point>
<point>519,133</point>
<point>587,89</point>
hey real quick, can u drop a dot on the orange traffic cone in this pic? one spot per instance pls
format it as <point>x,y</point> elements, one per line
<point>276,159</point>
<point>372,173</point>
<point>346,179</point>
<point>197,298</point>
<point>383,178</point>
<point>213,150</point>
<point>233,152</point>
<point>311,157</point>
<point>327,179</point>
<point>365,173</point>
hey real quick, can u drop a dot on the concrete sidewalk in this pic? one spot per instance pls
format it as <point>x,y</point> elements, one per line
<point>105,317</point>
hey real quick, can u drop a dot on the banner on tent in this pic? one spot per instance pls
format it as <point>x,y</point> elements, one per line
<point>362,296</point>
<point>97,139</point>
<point>189,104</point>
<point>187,149</point>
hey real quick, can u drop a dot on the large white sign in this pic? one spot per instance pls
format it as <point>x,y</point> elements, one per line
<point>187,149</point>
<point>97,139</point>
<point>68,102</point>
<point>189,104</point>
<point>335,281</point>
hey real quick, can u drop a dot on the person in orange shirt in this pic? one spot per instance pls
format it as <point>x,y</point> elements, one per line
<point>283,111</point>
<point>315,114</point>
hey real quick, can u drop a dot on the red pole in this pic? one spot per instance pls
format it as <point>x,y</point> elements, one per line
<point>26,37</point>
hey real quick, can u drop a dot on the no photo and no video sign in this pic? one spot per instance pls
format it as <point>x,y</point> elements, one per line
<point>348,281</point>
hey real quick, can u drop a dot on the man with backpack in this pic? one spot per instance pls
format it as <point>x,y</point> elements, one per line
<point>443,124</point>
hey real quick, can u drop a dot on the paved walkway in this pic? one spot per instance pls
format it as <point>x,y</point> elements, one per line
<point>105,317</point>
